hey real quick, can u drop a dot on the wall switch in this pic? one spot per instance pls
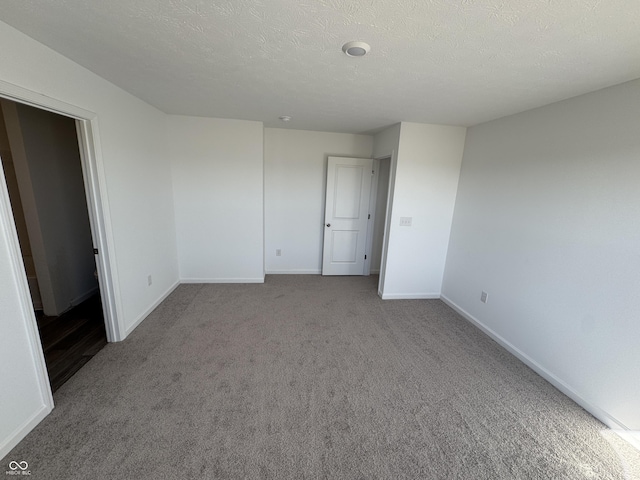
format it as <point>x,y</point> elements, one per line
<point>278,252</point>
<point>405,221</point>
<point>484,297</point>
<point>149,280</point>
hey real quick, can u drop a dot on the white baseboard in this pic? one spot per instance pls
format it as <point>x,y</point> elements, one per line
<point>630,436</point>
<point>76,301</point>
<point>294,272</point>
<point>594,410</point>
<point>410,296</point>
<point>222,280</point>
<point>16,436</point>
<point>85,296</point>
<point>146,313</point>
<point>374,272</point>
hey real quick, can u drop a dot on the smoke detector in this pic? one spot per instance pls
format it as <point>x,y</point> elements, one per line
<point>356,49</point>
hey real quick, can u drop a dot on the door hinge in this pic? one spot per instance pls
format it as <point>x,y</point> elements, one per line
<point>369,217</point>
<point>373,172</point>
<point>95,251</point>
<point>365,257</point>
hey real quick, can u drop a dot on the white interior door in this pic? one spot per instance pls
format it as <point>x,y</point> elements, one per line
<point>346,215</point>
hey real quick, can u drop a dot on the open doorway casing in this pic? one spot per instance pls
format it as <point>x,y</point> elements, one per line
<point>88,141</point>
<point>378,202</point>
<point>380,206</point>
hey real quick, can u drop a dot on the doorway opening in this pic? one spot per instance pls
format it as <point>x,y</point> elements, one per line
<point>357,216</point>
<point>42,165</point>
<point>381,200</point>
<point>379,197</point>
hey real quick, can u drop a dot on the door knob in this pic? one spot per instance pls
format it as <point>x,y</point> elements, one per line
<point>328,224</point>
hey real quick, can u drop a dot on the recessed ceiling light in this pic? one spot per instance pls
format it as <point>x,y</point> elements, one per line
<point>356,49</point>
<point>285,118</point>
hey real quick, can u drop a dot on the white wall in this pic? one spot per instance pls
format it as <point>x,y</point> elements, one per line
<point>49,173</point>
<point>385,143</point>
<point>425,183</point>
<point>136,177</point>
<point>218,191</point>
<point>547,221</point>
<point>295,184</point>
<point>133,163</point>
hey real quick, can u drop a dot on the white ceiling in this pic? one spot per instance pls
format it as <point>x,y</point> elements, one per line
<point>456,62</point>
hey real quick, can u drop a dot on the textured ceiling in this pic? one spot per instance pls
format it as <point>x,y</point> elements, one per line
<point>457,62</point>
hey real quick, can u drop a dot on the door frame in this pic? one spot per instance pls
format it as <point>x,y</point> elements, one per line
<point>373,211</point>
<point>365,247</point>
<point>392,158</point>
<point>99,219</point>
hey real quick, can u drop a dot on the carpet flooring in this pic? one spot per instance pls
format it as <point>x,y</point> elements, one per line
<point>314,377</point>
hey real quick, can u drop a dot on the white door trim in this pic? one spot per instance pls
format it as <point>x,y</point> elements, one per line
<point>8,228</point>
<point>100,229</point>
<point>373,197</point>
<point>98,207</point>
<point>373,209</point>
<point>393,159</point>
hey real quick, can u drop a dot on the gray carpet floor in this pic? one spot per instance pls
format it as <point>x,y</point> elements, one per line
<point>314,377</point>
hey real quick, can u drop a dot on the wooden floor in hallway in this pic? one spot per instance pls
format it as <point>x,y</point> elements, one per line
<point>71,339</point>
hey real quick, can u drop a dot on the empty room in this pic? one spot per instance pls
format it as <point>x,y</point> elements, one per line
<point>331,239</point>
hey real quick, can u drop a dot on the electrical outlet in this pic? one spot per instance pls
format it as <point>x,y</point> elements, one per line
<point>149,280</point>
<point>484,297</point>
<point>406,221</point>
<point>278,252</point>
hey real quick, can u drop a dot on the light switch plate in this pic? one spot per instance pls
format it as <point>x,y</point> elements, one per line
<point>405,221</point>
